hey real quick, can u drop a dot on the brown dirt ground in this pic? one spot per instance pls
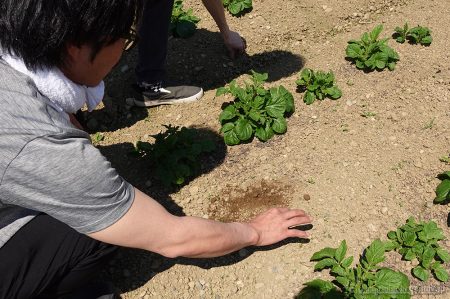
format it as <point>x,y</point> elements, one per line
<point>365,175</point>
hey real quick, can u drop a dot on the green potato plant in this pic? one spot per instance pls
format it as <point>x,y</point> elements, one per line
<point>419,240</point>
<point>443,189</point>
<point>175,154</point>
<point>367,280</point>
<point>182,22</point>
<point>317,85</point>
<point>255,111</point>
<point>369,53</point>
<point>237,7</point>
<point>417,35</point>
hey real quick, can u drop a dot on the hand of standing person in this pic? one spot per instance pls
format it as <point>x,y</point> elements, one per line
<point>235,44</point>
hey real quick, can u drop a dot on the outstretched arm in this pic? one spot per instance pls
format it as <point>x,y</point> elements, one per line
<point>147,225</point>
<point>233,41</point>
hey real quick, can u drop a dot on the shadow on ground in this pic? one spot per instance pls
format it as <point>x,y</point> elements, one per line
<point>202,60</point>
<point>147,264</point>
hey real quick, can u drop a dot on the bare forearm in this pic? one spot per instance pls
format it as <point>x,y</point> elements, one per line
<point>147,225</point>
<point>215,9</point>
<point>199,237</point>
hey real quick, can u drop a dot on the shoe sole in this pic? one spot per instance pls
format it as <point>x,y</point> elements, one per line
<point>152,103</point>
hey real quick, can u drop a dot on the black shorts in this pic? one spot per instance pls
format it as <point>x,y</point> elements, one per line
<point>48,259</point>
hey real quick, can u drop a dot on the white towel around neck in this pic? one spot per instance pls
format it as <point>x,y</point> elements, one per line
<point>64,94</point>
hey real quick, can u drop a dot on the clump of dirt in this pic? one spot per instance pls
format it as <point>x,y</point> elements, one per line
<point>242,204</point>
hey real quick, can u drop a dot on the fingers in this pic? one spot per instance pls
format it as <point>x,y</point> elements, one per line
<point>297,221</point>
<point>291,213</point>
<point>295,233</point>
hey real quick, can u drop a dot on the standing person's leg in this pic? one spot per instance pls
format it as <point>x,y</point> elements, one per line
<point>151,66</point>
<point>153,33</point>
<point>48,259</point>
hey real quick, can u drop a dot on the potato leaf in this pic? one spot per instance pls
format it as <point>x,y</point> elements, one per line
<point>421,273</point>
<point>325,252</point>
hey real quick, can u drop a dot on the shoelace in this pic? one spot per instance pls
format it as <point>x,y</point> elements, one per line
<point>151,87</point>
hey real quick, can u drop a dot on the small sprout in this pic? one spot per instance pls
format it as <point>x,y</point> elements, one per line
<point>368,114</point>
<point>175,154</point>
<point>445,159</point>
<point>317,85</point>
<point>182,22</point>
<point>417,35</point>
<point>98,137</point>
<point>237,8</point>
<point>351,281</point>
<point>430,124</point>
<point>369,53</point>
<point>255,111</point>
<point>443,189</point>
<point>419,241</point>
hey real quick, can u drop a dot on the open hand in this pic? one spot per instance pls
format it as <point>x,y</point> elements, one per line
<point>274,225</point>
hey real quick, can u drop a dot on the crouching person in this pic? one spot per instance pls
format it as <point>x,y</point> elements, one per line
<point>63,208</point>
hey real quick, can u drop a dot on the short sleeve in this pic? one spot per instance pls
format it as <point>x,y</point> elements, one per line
<point>68,179</point>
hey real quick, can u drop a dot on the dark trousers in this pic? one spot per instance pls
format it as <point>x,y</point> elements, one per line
<point>48,259</point>
<point>153,34</point>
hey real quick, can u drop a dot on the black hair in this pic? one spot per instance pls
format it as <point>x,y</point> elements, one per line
<point>38,31</point>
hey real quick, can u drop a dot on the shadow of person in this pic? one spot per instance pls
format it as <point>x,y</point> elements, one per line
<point>146,265</point>
<point>137,168</point>
<point>202,60</point>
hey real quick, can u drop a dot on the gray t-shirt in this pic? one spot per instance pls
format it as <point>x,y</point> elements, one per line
<point>49,166</point>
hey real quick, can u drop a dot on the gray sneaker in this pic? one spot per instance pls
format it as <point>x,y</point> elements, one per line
<point>165,95</point>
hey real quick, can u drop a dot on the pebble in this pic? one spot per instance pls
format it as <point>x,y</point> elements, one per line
<point>191,285</point>
<point>306,197</point>
<point>384,210</point>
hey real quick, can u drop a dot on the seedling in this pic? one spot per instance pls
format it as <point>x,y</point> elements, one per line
<point>420,241</point>
<point>369,53</point>
<point>183,22</point>
<point>368,114</point>
<point>255,111</point>
<point>445,159</point>
<point>366,280</point>
<point>237,7</point>
<point>175,154</point>
<point>429,124</point>
<point>401,34</point>
<point>443,190</point>
<point>317,85</point>
<point>98,137</point>
<point>417,35</point>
